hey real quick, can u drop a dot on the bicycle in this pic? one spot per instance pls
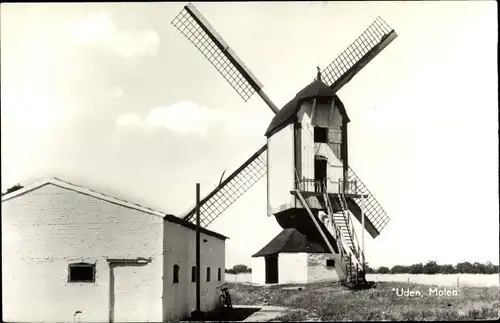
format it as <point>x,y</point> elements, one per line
<point>225,297</point>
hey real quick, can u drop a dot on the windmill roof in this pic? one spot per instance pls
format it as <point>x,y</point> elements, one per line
<point>291,240</point>
<point>316,89</point>
<point>80,189</point>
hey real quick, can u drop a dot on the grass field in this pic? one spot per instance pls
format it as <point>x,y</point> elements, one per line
<point>330,301</point>
<point>478,280</point>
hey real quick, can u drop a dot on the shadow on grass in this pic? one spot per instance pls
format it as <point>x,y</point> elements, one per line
<point>226,315</point>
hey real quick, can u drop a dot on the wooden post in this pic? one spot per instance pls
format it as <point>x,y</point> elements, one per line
<point>313,109</point>
<point>363,231</point>
<point>332,107</point>
<point>198,262</point>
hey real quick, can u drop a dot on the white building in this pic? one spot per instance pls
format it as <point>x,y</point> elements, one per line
<point>72,254</point>
<point>291,258</point>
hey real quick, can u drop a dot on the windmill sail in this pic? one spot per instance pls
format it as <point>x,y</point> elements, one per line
<point>343,68</point>
<point>368,45</point>
<point>232,188</point>
<point>191,23</point>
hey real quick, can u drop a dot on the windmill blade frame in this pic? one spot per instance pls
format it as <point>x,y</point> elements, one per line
<point>191,23</point>
<point>232,188</point>
<point>357,55</point>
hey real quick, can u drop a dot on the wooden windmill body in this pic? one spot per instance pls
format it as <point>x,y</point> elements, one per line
<point>310,186</point>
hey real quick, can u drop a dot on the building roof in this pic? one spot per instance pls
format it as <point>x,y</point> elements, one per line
<point>291,240</point>
<point>316,89</point>
<point>80,189</point>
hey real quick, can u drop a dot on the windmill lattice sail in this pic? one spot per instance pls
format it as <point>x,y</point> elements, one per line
<point>375,215</point>
<point>368,45</point>
<point>191,23</point>
<point>240,181</point>
<point>195,32</point>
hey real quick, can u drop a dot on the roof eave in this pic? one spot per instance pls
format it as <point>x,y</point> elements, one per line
<point>82,190</point>
<point>174,219</point>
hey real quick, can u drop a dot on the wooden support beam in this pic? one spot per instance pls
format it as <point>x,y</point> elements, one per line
<point>313,109</point>
<point>332,106</point>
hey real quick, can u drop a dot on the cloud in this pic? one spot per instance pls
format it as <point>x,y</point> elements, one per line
<point>99,29</point>
<point>188,117</point>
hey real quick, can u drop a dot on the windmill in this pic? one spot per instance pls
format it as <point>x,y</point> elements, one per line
<point>322,207</point>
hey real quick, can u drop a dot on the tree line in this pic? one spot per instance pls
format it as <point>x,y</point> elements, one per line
<point>238,269</point>
<point>432,267</point>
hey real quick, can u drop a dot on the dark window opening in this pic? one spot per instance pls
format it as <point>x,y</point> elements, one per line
<point>219,274</point>
<point>330,262</point>
<point>208,274</point>
<point>176,274</point>
<point>320,134</point>
<point>82,273</point>
<point>193,274</point>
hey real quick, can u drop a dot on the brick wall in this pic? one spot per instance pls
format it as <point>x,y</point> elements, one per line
<point>46,229</point>
<point>292,267</point>
<point>180,249</point>
<point>317,270</point>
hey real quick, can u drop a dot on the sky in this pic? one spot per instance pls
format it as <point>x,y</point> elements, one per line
<point>113,97</point>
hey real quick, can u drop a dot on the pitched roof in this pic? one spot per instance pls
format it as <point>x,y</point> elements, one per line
<point>291,240</point>
<point>316,89</point>
<point>80,189</point>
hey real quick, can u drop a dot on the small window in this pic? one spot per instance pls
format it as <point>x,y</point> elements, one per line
<point>193,274</point>
<point>208,274</point>
<point>320,134</point>
<point>330,262</point>
<point>176,274</point>
<point>81,273</point>
<point>219,274</point>
<point>335,136</point>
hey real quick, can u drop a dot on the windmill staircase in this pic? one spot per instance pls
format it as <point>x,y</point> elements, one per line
<point>339,224</point>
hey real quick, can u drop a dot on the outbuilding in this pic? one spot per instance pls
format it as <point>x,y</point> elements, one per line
<point>73,254</point>
<point>292,258</point>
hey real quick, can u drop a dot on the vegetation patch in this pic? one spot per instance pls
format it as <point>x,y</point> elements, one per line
<point>332,302</point>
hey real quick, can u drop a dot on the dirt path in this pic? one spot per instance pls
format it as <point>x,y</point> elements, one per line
<point>265,313</point>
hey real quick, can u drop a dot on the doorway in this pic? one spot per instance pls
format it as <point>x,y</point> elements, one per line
<point>272,269</point>
<point>129,295</point>
<point>320,173</point>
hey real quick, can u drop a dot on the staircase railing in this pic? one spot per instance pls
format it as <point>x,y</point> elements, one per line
<point>350,226</point>
<point>311,185</point>
<point>355,252</point>
<point>336,231</point>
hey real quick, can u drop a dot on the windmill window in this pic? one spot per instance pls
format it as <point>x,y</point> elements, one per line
<point>81,273</point>
<point>193,274</point>
<point>335,136</point>
<point>330,262</point>
<point>208,274</point>
<point>219,274</point>
<point>320,134</point>
<point>176,274</point>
